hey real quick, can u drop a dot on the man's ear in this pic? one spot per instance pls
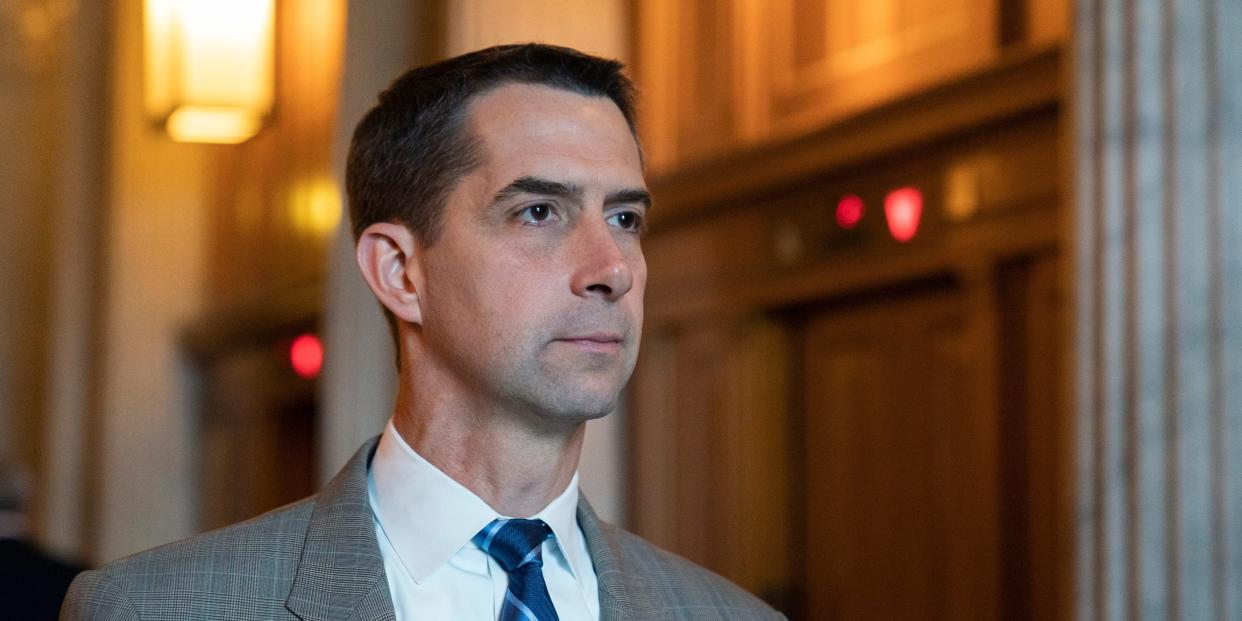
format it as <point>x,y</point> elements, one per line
<point>386,255</point>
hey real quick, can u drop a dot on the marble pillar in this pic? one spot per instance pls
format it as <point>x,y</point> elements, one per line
<point>1158,315</point>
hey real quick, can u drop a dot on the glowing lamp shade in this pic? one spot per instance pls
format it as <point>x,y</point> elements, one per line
<point>209,67</point>
<point>903,208</point>
<point>306,356</point>
<point>849,211</point>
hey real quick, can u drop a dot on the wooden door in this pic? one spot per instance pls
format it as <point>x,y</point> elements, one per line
<point>902,493</point>
<point>256,432</point>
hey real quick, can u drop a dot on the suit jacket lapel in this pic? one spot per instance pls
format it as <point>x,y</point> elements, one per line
<point>624,592</point>
<point>341,573</point>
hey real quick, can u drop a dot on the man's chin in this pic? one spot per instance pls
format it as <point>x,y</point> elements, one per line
<point>562,417</point>
<point>584,409</point>
<point>571,395</point>
<point>579,405</point>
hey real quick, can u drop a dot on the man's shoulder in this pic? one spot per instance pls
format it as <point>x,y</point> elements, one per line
<point>679,586</point>
<point>252,562</point>
<point>269,540</point>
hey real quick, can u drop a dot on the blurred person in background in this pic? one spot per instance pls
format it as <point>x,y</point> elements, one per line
<point>32,582</point>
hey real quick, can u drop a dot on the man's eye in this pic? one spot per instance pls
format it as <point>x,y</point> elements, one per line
<point>536,214</point>
<point>627,220</point>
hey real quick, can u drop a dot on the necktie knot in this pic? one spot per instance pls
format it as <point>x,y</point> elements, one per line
<point>514,543</point>
<point>517,546</point>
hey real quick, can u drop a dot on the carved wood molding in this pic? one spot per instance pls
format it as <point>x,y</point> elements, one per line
<point>1031,232</point>
<point>1019,84</point>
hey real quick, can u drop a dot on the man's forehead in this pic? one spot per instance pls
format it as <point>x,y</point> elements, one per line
<point>513,92</point>
<point>545,132</point>
<point>533,111</point>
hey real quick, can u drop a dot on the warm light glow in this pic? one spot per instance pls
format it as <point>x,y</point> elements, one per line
<point>962,191</point>
<point>306,356</point>
<point>849,211</point>
<point>218,125</point>
<point>316,206</point>
<point>209,67</point>
<point>904,209</point>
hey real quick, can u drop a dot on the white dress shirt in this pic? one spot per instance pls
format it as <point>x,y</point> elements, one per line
<point>424,522</point>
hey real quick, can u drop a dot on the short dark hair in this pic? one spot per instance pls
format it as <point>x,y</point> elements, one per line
<point>410,150</point>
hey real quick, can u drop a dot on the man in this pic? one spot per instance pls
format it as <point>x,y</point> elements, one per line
<point>498,201</point>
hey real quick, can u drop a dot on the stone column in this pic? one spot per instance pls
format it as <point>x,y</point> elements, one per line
<point>1158,315</point>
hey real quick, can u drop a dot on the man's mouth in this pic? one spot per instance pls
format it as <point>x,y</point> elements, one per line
<point>601,342</point>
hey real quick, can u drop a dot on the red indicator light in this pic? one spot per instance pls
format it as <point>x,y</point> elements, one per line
<point>849,211</point>
<point>903,208</point>
<point>306,356</point>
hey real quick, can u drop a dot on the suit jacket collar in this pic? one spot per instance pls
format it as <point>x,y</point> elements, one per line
<point>624,591</point>
<point>341,573</point>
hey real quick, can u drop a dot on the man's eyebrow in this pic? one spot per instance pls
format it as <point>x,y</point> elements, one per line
<point>629,195</point>
<point>536,185</point>
<point>547,187</point>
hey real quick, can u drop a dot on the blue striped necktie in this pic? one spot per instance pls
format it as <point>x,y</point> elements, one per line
<point>517,546</point>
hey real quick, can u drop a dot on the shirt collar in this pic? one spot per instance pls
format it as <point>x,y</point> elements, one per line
<point>428,517</point>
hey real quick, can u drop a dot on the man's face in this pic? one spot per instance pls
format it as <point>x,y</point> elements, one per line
<point>533,293</point>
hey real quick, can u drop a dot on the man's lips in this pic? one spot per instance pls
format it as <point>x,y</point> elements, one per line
<point>600,342</point>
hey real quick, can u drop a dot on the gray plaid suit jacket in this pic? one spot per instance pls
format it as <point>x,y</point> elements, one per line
<point>317,559</point>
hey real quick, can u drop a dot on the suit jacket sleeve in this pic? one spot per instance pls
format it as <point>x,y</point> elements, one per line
<point>93,596</point>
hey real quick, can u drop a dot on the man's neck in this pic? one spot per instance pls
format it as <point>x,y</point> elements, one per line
<point>512,467</point>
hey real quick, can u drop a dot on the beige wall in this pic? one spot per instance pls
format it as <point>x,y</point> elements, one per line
<point>102,230</point>
<point>78,209</point>
<point>50,112</point>
<point>155,255</point>
<point>26,155</point>
<point>359,379</point>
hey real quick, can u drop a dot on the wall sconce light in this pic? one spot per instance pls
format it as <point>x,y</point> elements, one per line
<point>209,67</point>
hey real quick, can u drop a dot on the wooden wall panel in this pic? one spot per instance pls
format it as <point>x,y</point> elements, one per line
<point>901,490</point>
<point>653,511</point>
<point>933,444</point>
<point>712,406</point>
<point>828,60</point>
<point>1047,22</point>
<point>734,254</point>
<point>960,474</point>
<point>696,431</point>
<point>686,56</point>
<point>759,443</point>
<point>722,77</point>
<point>1034,439</point>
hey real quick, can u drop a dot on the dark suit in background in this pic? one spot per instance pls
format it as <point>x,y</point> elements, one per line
<point>32,583</point>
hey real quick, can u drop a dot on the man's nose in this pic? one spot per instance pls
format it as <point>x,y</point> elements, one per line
<point>601,268</point>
